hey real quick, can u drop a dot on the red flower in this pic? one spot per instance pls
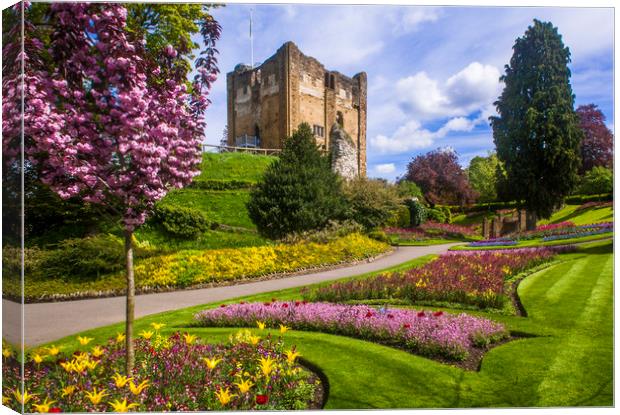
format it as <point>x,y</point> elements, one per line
<point>421,314</point>
<point>368,314</point>
<point>223,305</point>
<point>55,410</point>
<point>297,303</point>
<point>285,305</point>
<point>304,302</point>
<point>438,313</point>
<point>406,326</point>
<point>241,302</point>
<point>267,304</point>
<point>390,316</point>
<point>262,399</point>
<point>273,300</point>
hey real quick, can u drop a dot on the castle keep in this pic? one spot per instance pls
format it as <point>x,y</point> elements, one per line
<point>267,103</point>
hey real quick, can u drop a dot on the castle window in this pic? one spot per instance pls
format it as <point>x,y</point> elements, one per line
<point>332,81</point>
<point>319,131</point>
<point>326,79</point>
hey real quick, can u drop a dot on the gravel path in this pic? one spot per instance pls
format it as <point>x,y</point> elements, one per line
<point>45,322</point>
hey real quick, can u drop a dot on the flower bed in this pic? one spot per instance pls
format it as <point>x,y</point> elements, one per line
<point>594,205</point>
<point>567,229</point>
<point>171,374</point>
<point>465,277</point>
<point>431,230</point>
<point>578,234</point>
<point>493,242</point>
<point>197,268</point>
<point>431,334</point>
<point>190,267</point>
<point>550,226</point>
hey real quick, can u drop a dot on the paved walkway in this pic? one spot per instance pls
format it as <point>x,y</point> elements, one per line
<point>45,322</point>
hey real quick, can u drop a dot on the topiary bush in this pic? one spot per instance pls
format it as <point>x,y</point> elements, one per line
<point>417,212</point>
<point>400,217</point>
<point>181,222</point>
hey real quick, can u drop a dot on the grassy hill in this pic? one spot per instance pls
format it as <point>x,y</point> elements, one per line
<point>225,207</point>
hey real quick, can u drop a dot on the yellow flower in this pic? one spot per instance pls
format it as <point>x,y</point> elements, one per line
<point>84,340</point>
<point>68,366</point>
<point>95,397</point>
<point>25,398</point>
<point>211,363</point>
<point>224,395</point>
<point>146,334</point>
<point>244,385</point>
<point>7,352</point>
<point>136,390</point>
<point>254,340</point>
<point>37,358</point>
<point>118,406</point>
<point>68,390</point>
<point>81,356</point>
<point>283,328</point>
<point>43,407</point>
<point>266,365</point>
<point>120,337</point>
<point>91,364</point>
<point>53,350</point>
<point>5,400</point>
<point>157,326</point>
<point>189,338</point>
<point>120,380</point>
<point>291,356</point>
<point>261,325</point>
<point>97,351</point>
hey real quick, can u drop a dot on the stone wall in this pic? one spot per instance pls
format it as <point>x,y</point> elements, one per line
<point>290,88</point>
<point>343,153</point>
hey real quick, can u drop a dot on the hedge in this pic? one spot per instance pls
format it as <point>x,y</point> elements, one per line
<point>493,206</point>
<point>222,184</point>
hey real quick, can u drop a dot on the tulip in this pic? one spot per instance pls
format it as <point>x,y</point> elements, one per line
<point>84,340</point>
<point>189,338</point>
<point>25,398</point>
<point>261,325</point>
<point>118,406</point>
<point>244,386</point>
<point>291,356</point>
<point>95,397</point>
<point>283,328</point>
<point>157,326</point>
<point>68,390</point>
<point>120,380</point>
<point>211,363</point>
<point>43,407</point>
<point>224,396</point>
<point>146,334</point>
<point>136,390</point>
<point>120,337</point>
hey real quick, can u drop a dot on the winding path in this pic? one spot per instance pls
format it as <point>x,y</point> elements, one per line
<point>45,322</point>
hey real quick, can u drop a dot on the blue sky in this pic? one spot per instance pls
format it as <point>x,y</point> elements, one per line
<point>432,71</point>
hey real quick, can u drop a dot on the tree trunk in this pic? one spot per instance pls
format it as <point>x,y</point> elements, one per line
<point>530,220</point>
<point>129,361</point>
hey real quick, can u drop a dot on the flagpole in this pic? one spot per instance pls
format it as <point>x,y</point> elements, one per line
<point>251,42</point>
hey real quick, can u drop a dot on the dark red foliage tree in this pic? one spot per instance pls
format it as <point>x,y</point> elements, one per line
<point>597,146</point>
<point>441,178</point>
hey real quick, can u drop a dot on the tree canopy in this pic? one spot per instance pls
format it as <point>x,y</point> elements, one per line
<point>482,173</point>
<point>597,146</point>
<point>536,133</point>
<point>441,178</point>
<point>299,191</point>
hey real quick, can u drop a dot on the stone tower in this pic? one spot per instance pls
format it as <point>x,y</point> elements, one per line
<point>267,103</point>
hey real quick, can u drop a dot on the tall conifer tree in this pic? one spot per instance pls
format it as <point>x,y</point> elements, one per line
<point>537,133</point>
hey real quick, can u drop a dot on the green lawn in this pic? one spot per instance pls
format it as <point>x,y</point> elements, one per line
<point>233,166</point>
<point>583,217</point>
<point>569,363</point>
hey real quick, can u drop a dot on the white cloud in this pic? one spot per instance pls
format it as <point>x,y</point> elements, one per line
<point>467,91</point>
<point>413,17</point>
<point>411,136</point>
<point>386,168</point>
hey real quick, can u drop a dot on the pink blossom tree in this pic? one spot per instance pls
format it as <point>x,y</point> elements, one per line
<point>100,124</point>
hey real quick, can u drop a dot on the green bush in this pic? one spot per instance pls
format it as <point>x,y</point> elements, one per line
<point>371,203</point>
<point>407,189</point>
<point>80,258</point>
<point>448,214</point>
<point>597,181</point>
<point>332,231</point>
<point>299,191</point>
<point>400,218</point>
<point>181,222</point>
<point>379,236</point>
<point>417,212</point>
<point>436,215</point>
<point>581,199</point>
